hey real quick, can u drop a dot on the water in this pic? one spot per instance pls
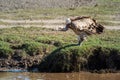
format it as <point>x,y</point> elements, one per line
<point>58,76</point>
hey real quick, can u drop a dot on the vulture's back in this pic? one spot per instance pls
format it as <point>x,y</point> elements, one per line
<point>84,23</point>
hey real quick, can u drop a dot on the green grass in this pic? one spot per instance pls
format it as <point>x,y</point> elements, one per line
<point>5,50</point>
<point>34,48</point>
<point>20,35</point>
<point>60,47</point>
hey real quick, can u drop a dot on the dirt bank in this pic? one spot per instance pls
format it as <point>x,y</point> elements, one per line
<point>95,59</point>
<point>20,63</point>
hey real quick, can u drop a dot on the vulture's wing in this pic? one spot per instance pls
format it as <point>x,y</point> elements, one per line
<point>86,24</point>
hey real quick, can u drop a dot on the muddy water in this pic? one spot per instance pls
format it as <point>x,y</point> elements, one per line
<point>58,76</point>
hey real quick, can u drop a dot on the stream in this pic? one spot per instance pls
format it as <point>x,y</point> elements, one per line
<point>58,76</point>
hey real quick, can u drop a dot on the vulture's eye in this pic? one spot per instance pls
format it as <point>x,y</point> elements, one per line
<point>88,27</point>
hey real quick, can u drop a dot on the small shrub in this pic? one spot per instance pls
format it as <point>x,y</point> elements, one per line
<point>4,44</point>
<point>1,38</point>
<point>5,50</point>
<point>50,40</point>
<point>19,54</point>
<point>13,39</point>
<point>33,48</point>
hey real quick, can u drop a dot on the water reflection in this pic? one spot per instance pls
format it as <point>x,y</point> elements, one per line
<point>58,76</point>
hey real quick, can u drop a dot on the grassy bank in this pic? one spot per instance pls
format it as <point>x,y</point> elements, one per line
<point>62,54</point>
<point>99,54</point>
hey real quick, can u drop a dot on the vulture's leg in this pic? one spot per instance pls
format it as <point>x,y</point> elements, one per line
<point>80,40</point>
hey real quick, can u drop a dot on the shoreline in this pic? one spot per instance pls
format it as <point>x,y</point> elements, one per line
<point>36,70</point>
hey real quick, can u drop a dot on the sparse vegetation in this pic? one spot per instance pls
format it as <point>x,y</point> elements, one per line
<point>34,48</point>
<point>102,10</point>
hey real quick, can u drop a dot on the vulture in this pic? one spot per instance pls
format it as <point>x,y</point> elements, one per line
<point>83,26</point>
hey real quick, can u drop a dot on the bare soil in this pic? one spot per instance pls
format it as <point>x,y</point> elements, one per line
<point>54,23</point>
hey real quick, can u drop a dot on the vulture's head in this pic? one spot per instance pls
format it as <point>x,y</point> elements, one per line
<point>68,21</point>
